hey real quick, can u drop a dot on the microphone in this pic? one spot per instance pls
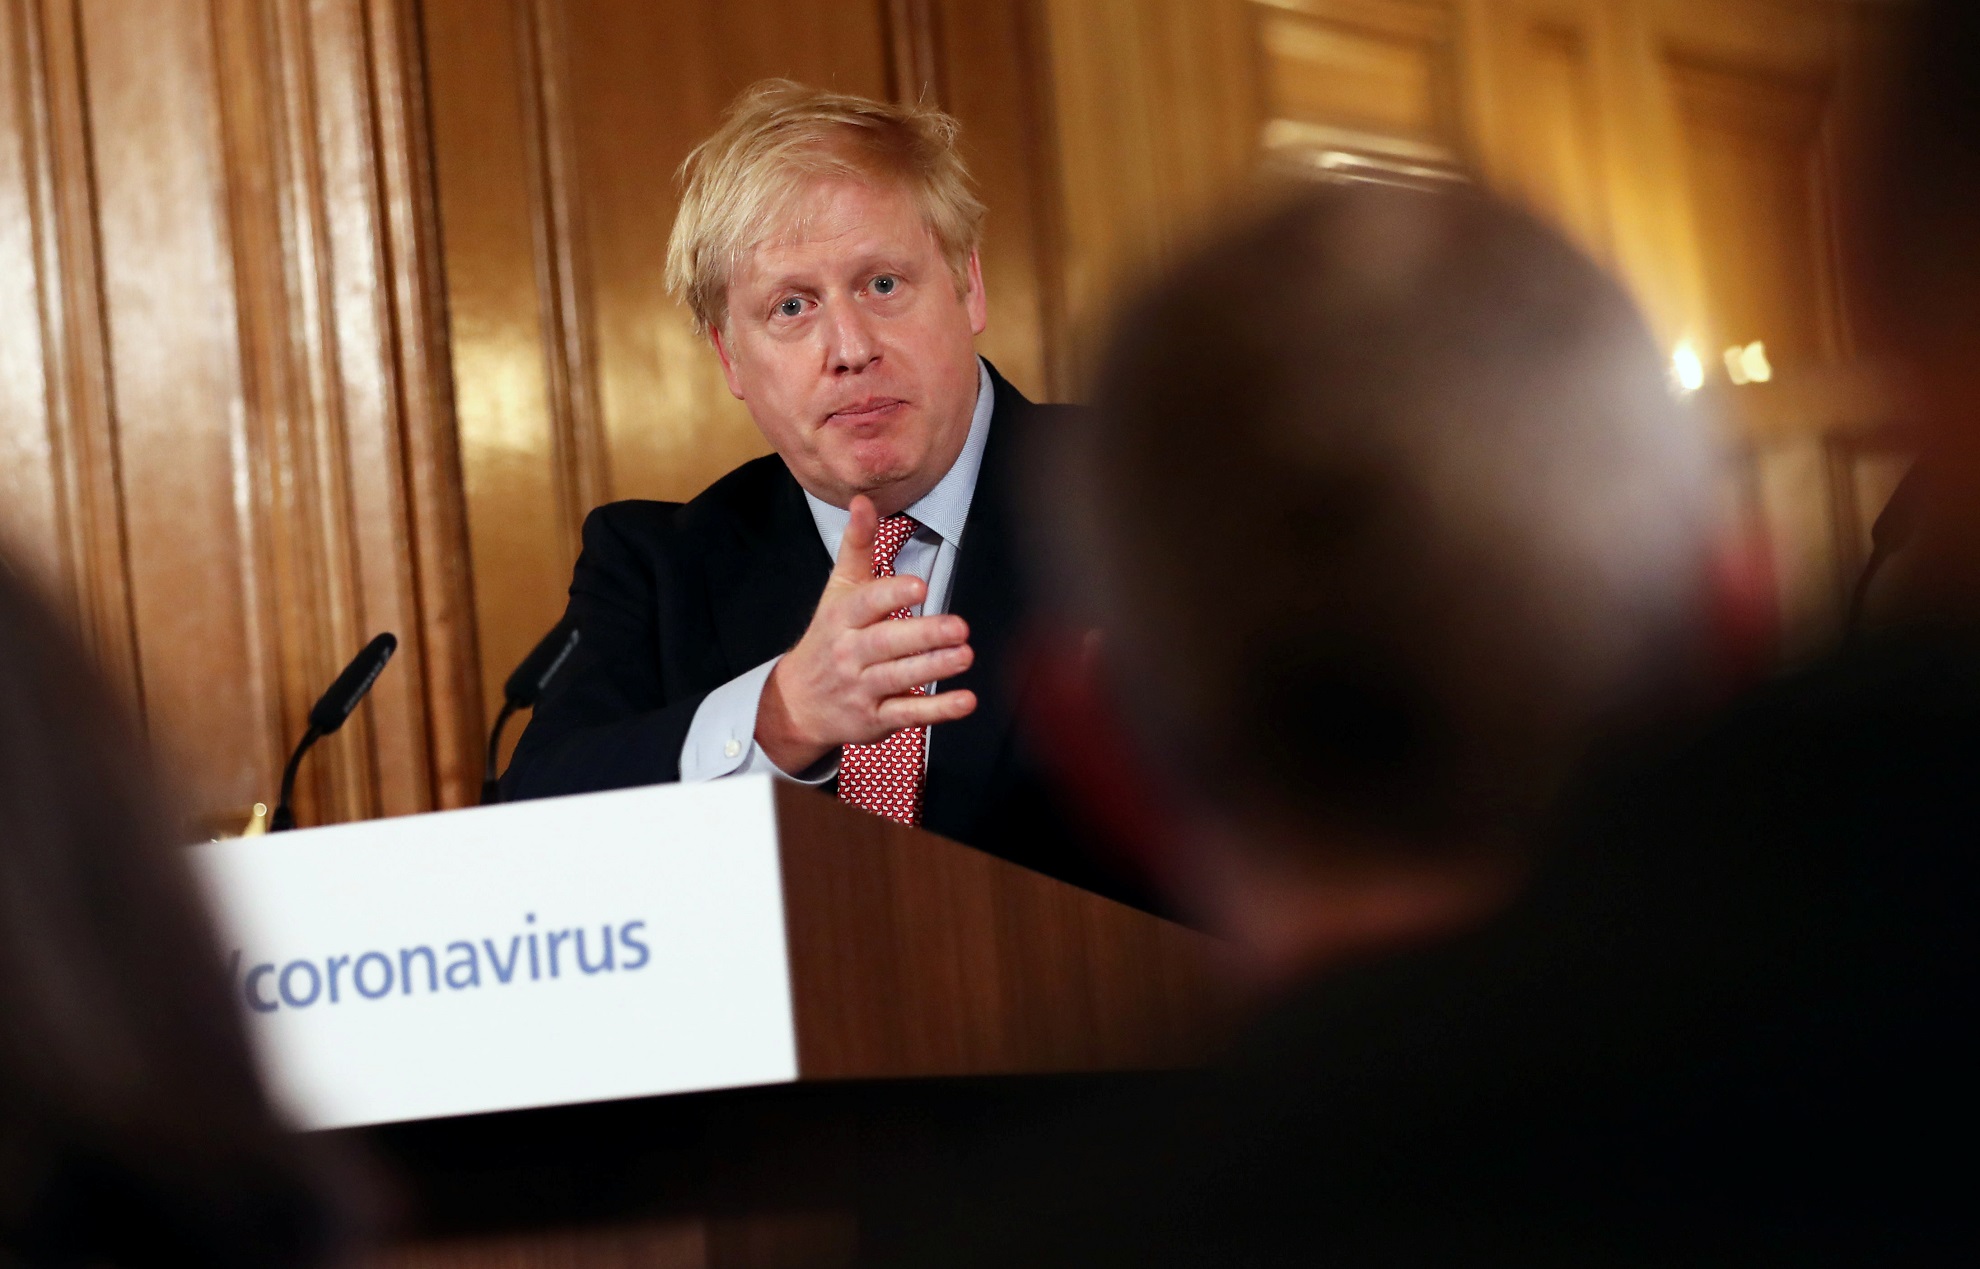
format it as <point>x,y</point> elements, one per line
<point>329,713</point>
<point>522,691</point>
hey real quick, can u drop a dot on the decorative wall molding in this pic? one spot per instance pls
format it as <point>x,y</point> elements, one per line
<point>544,91</point>
<point>442,576</point>
<point>82,550</point>
<point>343,345</point>
<point>914,51</point>
<point>234,378</point>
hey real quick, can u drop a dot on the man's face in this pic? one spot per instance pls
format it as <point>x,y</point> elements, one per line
<point>850,344</point>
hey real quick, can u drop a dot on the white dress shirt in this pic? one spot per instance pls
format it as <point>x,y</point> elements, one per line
<point>722,739</point>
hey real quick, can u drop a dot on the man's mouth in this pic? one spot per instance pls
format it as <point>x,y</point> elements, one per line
<point>866,410</point>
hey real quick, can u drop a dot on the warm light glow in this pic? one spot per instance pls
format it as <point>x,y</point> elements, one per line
<point>1749,364</point>
<point>1686,368</point>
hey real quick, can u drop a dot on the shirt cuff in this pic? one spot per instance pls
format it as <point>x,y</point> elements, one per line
<point>721,741</point>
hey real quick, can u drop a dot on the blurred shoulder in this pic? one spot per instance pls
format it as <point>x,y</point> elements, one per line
<point>1049,414</point>
<point>1885,711</point>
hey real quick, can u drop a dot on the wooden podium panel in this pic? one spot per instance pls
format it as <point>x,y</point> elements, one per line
<point>911,955</point>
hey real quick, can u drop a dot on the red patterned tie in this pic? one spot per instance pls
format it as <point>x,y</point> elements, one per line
<point>885,777</point>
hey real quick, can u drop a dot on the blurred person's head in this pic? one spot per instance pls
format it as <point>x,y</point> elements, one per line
<point>1385,514</point>
<point>827,245</point>
<point>133,1128</point>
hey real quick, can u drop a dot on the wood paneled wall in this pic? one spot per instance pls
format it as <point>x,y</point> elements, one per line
<point>228,444</point>
<point>323,317</point>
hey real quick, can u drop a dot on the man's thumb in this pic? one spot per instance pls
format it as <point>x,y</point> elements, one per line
<point>855,562</point>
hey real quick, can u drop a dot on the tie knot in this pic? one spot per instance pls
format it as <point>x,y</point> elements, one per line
<point>892,534</point>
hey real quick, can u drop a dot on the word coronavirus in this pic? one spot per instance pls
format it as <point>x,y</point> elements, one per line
<point>533,955</point>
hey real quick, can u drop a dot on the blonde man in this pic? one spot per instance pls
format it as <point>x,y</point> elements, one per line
<point>841,612</point>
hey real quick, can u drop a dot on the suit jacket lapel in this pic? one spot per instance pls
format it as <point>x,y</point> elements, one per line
<point>764,582</point>
<point>988,593</point>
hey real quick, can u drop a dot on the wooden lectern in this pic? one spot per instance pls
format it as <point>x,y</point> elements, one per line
<point>940,996</point>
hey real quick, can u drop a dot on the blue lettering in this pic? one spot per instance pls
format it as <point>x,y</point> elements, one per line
<point>604,933</point>
<point>290,998</point>
<point>625,936</point>
<point>463,968</point>
<point>357,974</point>
<point>406,955</point>
<point>503,973</point>
<point>254,999</point>
<point>468,962</point>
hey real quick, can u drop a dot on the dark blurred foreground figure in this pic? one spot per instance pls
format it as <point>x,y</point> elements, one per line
<point>1388,522</point>
<point>133,1129</point>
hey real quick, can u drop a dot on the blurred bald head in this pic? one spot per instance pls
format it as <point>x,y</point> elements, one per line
<point>1386,509</point>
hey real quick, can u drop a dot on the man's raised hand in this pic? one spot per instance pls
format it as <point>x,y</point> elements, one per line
<point>851,677</point>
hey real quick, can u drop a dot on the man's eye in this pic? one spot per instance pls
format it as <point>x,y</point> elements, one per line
<point>885,284</point>
<point>793,307</point>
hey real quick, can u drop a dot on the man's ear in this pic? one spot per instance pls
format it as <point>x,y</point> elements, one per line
<point>728,364</point>
<point>974,300</point>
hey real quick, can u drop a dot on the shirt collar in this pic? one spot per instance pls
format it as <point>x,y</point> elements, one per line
<point>943,509</point>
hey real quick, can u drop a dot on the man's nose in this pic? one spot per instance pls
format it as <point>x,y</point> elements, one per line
<point>852,347</point>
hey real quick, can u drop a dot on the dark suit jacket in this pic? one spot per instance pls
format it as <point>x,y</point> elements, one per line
<point>675,600</point>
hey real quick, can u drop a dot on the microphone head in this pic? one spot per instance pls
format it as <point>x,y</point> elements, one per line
<point>335,705</point>
<point>541,665</point>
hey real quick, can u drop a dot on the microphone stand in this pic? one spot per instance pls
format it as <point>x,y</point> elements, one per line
<point>284,817</point>
<point>491,780</point>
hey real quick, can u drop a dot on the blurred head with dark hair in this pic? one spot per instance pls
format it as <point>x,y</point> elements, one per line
<point>1387,512</point>
<point>133,1128</point>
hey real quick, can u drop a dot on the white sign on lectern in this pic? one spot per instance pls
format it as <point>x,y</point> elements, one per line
<point>574,949</point>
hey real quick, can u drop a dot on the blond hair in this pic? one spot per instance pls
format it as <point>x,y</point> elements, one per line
<point>780,136</point>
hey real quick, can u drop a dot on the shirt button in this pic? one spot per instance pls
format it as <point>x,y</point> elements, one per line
<point>731,749</point>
